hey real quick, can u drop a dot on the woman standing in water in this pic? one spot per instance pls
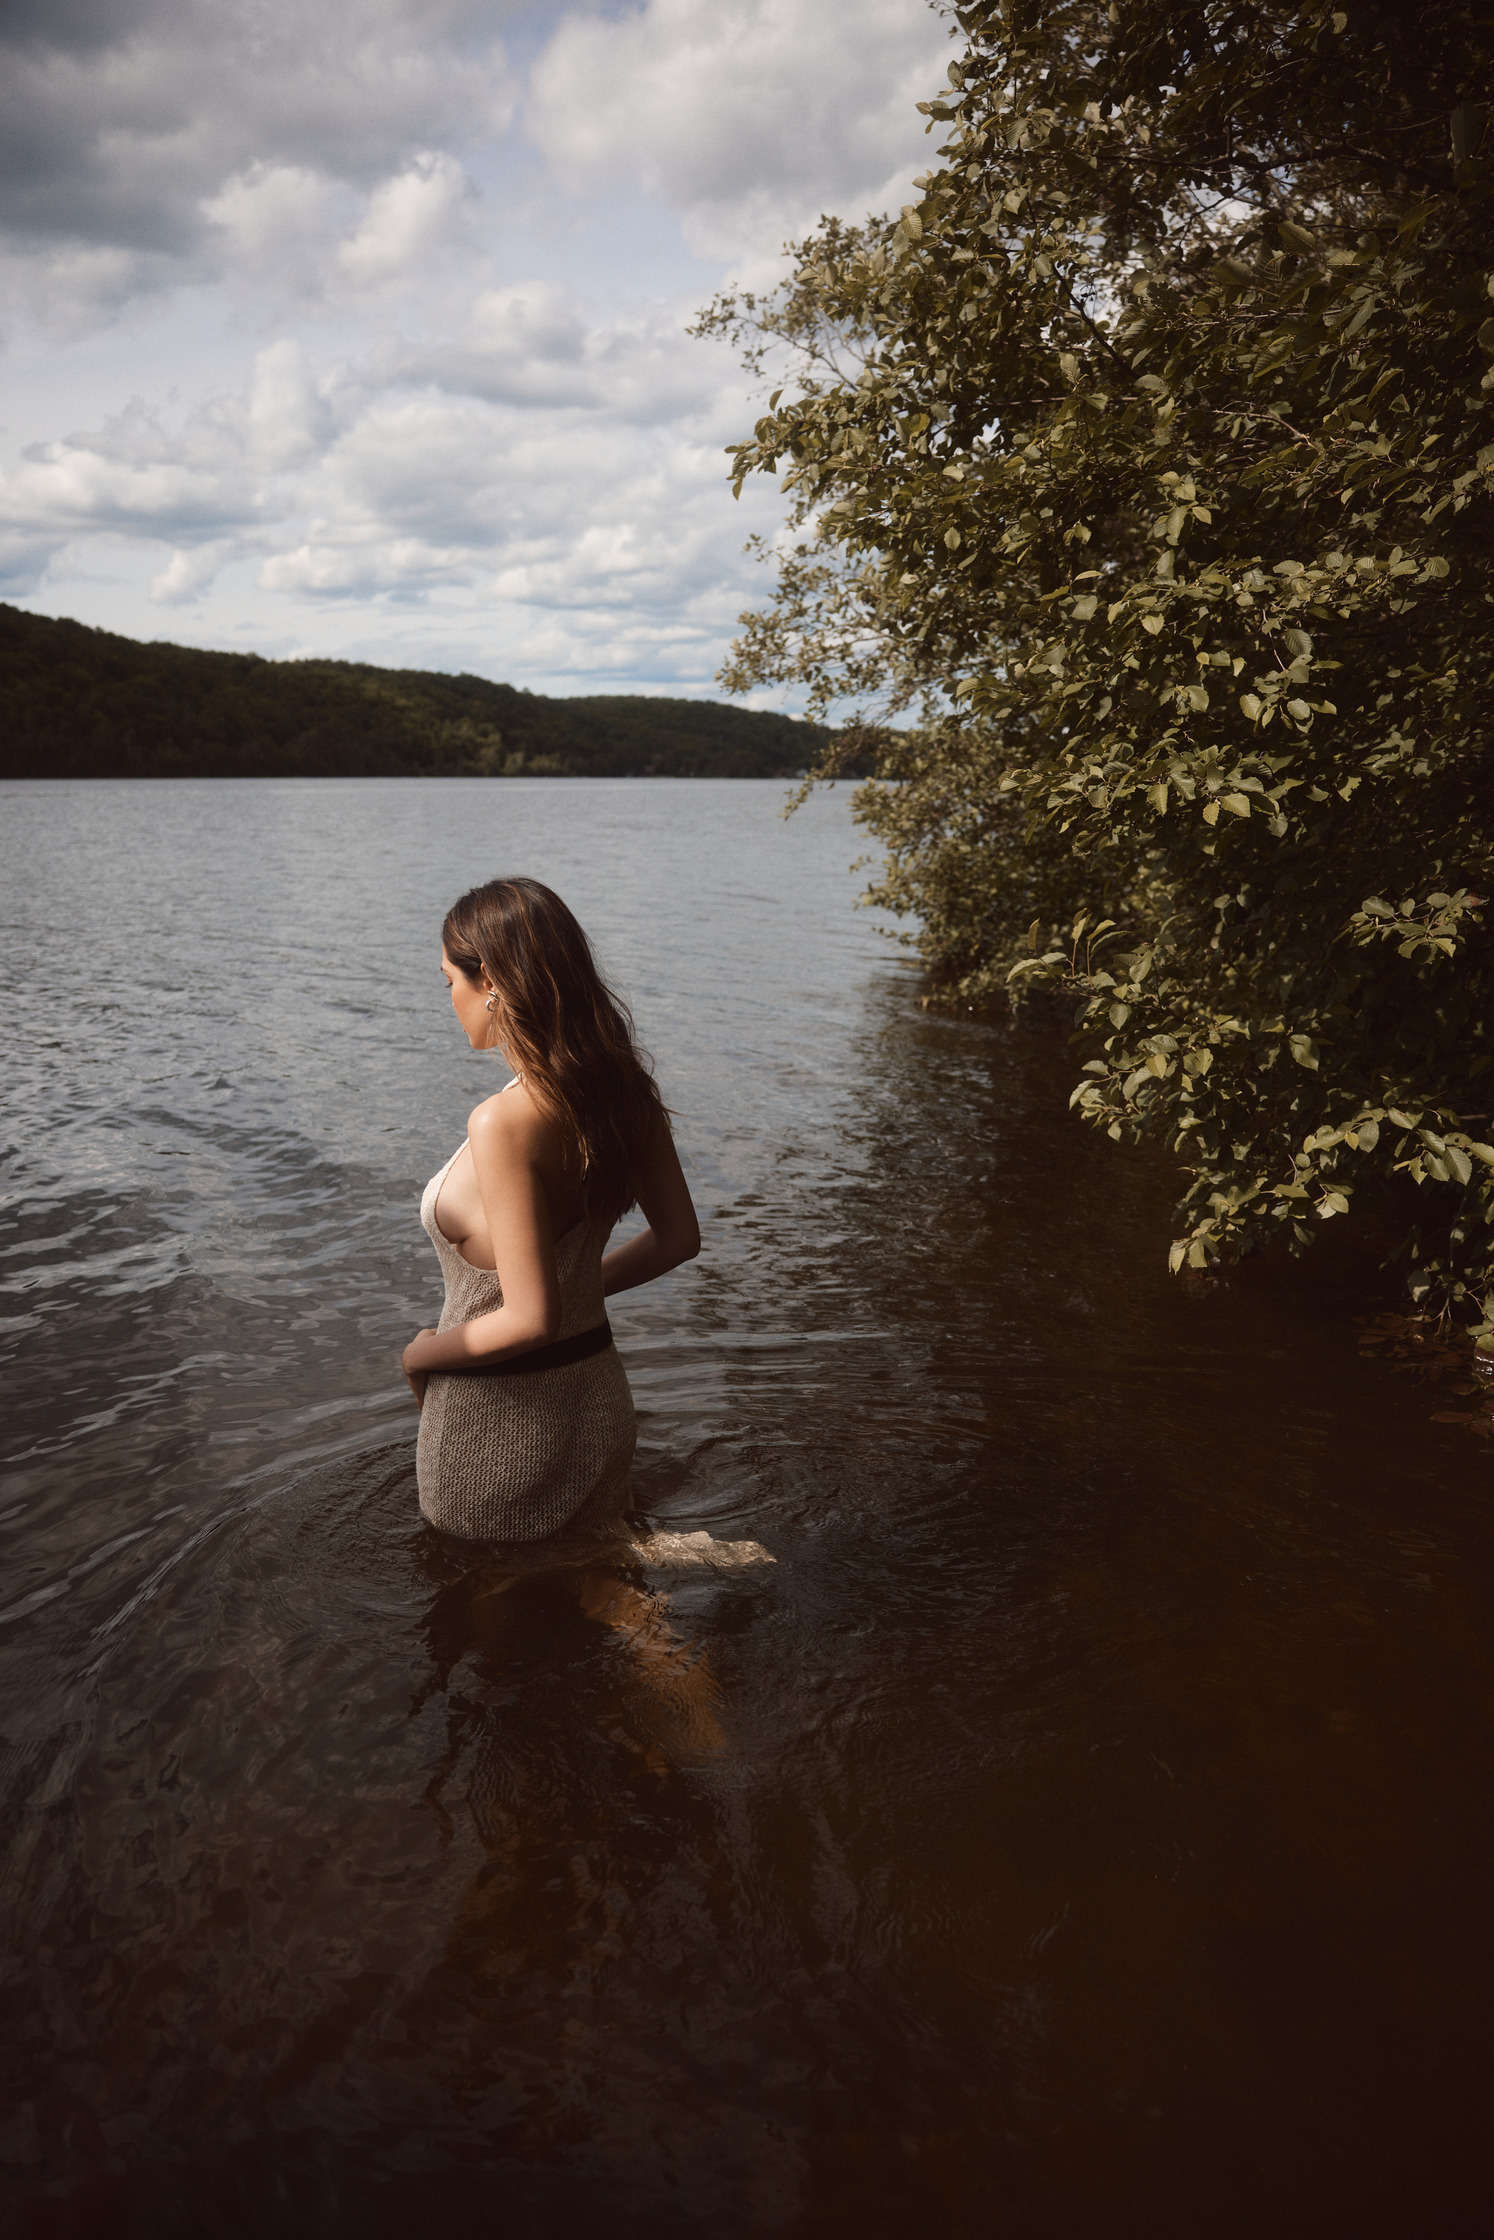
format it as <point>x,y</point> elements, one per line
<point>527,1427</point>
<point>526,1422</point>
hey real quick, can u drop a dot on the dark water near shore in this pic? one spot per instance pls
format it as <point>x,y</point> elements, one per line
<point>1101,1844</point>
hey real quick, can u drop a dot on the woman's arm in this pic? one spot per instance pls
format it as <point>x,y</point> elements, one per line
<point>673,1233</point>
<point>507,1137</point>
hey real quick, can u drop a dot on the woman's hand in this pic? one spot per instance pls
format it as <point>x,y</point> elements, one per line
<point>415,1378</point>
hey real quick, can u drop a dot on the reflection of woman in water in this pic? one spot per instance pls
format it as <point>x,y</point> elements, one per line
<point>527,1426</point>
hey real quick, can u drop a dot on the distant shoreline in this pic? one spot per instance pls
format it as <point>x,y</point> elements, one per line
<point>83,703</point>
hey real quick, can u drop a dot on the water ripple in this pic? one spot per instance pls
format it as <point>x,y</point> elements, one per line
<point>1076,1812</point>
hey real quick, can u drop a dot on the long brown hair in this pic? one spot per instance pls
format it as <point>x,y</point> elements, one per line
<point>564,1030</point>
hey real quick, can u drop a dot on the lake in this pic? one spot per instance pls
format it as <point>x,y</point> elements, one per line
<point>1100,1843</point>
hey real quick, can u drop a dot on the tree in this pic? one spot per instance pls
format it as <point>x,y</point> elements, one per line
<point>1146,460</point>
<point>81,703</point>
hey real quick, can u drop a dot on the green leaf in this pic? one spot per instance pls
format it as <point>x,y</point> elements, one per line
<point>1315,392</point>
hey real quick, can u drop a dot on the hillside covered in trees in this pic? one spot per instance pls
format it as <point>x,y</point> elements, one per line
<point>81,703</point>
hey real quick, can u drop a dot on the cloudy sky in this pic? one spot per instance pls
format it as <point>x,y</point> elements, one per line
<point>357,327</point>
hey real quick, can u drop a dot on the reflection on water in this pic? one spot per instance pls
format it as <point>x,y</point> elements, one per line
<point>1080,1827</point>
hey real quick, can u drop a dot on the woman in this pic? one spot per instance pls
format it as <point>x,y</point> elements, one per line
<point>526,1426</point>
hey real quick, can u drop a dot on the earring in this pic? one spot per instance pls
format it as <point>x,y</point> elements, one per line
<point>490,1003</point>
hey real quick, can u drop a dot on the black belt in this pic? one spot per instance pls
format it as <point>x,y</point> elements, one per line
<point>555,1356</point>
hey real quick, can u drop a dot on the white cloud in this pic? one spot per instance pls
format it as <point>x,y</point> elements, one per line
<point>553,457</point>
<point>68,291</point>
<point>534,344</point>
<point>276,220</point>
<point>410,215</point>
<point>537,321</point>
<point>188,574</point>
<point>424,483</point>
<point>188,129</point>
<point>750,117</point>
<point>133,474</point>
<point>25,555</point>
<point>420,387</point>
<point>289,417</point>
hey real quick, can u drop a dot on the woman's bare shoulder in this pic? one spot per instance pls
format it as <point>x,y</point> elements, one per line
<point>493,1112</point>
<point>507,1118</point>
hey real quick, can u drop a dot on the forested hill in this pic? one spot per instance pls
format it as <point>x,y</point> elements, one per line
<point>80,703</point>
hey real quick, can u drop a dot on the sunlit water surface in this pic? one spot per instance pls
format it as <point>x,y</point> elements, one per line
<point>1101,1840</point>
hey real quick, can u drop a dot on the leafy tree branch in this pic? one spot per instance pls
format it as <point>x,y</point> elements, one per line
<point>1146,461</point>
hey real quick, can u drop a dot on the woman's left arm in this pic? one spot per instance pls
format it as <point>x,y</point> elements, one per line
<point>673,1232</point>
<point>506,1135</point>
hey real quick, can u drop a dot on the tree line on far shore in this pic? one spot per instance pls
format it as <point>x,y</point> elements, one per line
<point>82,703</point>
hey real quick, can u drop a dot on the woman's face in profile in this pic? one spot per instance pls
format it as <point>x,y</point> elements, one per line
<point>470,1003</point>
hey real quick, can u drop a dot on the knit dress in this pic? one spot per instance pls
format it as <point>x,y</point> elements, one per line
<point>522,1458</point>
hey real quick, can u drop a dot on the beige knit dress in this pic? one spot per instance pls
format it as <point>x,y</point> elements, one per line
<point>509,1459</point>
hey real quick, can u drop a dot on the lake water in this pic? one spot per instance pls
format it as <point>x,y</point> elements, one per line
<point>1101,1839</point>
